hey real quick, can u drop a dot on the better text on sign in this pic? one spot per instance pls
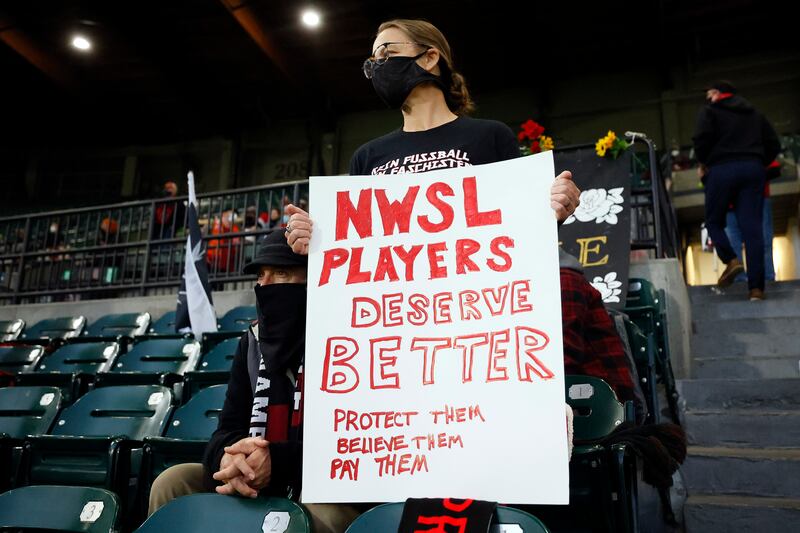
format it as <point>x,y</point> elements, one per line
<point>434,363</point>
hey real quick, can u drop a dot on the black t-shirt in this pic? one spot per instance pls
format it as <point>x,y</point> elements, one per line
<point>462,142</point>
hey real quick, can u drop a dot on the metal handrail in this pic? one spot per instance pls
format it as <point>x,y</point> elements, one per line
<point>123,249</point>
<point>665,225</point>
<point>135,203</point>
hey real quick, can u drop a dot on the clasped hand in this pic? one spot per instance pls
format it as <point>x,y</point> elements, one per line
<point>245,468</point>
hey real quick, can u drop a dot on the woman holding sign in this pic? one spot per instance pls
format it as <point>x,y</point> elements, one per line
<point>411,68</point>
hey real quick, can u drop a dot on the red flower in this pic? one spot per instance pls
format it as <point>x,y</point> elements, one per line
<point>535,147</point>
<point>531,130</point>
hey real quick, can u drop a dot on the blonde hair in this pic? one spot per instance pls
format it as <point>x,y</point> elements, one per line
<point>423,32</point>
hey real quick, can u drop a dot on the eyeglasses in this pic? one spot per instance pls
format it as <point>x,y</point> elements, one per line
<point>381,54</point>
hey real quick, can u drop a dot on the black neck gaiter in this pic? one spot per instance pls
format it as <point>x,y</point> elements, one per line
<point>281,325</point>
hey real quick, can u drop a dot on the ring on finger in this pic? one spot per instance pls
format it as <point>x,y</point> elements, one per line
<point>288,228</point>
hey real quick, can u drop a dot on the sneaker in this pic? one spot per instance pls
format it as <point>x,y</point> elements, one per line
<point>756,295</point>
<point>733,269</point>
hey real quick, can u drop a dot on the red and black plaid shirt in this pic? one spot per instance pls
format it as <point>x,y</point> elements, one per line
<point>592,346</point>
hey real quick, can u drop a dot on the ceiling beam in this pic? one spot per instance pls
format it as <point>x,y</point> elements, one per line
<point>47,62</point>
<point>249,21</point>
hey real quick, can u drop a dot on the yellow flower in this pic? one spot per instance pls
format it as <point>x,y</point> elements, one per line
<point>609,139</point>
<point>546,143</point>
<point>600,148</point>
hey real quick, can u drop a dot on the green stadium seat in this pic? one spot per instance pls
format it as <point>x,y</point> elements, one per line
<point>55,328</point>
<point>185,437</point>
<point>602,479</point>
<point>92,440</point>
<point>11,329</point>
<point>643,349</point>
<point>642,296</point>
<point>646,307</point>
<point>213,513</point>
<point>164,325</point>
<point>508,516</point>
<point>119,325</point>
<point>28,410</point>
<point>73,366</point>
<point>23,411</point>
<point>232,324</point>
<point>220,357</point>
<point>197,419</point>
<point>19,358</point>
<point>52,508</point>
<point>597,410</point>
<point>152,361</point>
<point>386,517</point>
<point>214,367</point>
<point>238,318</point>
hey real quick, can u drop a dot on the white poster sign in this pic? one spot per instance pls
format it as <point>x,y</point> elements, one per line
<point>434,363</point>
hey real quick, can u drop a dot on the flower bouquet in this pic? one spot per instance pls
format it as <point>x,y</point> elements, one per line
<point>532,139</point>
<point>610,145</point>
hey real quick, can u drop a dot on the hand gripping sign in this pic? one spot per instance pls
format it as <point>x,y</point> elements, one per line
<point>434,363</point>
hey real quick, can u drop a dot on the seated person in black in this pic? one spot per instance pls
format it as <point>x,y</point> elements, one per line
<point>257,448</point>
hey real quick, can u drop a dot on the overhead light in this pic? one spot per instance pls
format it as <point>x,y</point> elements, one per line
<point>311,18</point>
<point>81,43</point>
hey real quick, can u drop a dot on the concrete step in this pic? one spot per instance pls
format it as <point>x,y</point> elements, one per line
<point>781,394</point>
<point>737,291</point>
<point>726,514</point>
<point>771,472</point>
<point>770,367</point>
<point>779,306</point>
<point>742,428</point>
<point>737,343</point>
<point>776,326</point>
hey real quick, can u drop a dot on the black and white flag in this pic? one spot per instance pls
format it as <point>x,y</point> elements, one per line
<point>195,311</point>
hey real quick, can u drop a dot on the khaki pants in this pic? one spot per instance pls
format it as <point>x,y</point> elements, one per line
<point>184,479</point>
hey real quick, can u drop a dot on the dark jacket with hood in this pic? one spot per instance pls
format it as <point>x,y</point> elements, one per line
<point>731,129</point>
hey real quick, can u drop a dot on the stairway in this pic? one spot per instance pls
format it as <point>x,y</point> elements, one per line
<point>741,411</point>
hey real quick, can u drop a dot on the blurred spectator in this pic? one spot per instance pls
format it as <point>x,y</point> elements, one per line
<point>223,252</point>
<point>54,239</point>
<point>274,217</point>
<point>254,222</point>
<point>109,228</point>
<point>734,143</point>
<point>168,216</point>
<point>106,265</point>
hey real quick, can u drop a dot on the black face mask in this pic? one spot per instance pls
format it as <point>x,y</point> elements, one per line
<point>396,78</point>
<point>281,325</point>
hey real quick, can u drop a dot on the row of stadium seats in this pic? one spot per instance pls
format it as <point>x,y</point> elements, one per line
<point>120,325</point>
<point>112,437</point>
<point>119,438</point>
<point>646,333</point>
<point>94,510</point>
<point>80,364</point>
